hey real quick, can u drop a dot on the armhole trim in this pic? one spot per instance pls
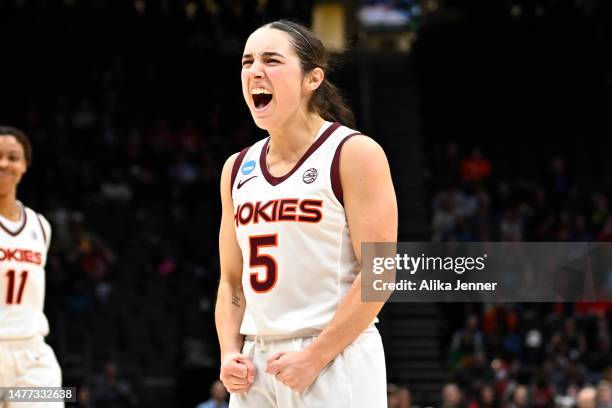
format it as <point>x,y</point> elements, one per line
<point>236,166</point>
<point>335,169</point>
<point>42,228</point>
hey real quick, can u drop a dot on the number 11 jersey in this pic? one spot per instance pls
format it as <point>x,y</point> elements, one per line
<point>23,254</point>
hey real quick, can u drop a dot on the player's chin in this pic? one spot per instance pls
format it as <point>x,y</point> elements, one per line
<point>7,186</point>
<point>265,119</point>
<point>262,123</point>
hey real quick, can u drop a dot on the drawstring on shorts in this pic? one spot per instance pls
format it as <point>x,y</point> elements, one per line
<point>259,341</point>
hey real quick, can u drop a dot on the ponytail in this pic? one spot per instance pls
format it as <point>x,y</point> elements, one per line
<point>327,100</point>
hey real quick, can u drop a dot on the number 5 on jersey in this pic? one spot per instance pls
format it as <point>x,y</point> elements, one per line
<point>263,260</point>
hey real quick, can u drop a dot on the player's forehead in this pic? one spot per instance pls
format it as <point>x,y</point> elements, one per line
<point>10,143</point>
<point>269,40</point>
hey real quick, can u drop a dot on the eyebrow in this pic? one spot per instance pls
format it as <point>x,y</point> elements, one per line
<point>265,54</point>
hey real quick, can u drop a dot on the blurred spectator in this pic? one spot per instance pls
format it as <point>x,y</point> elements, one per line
<point>520,398</point>
<point>405,398</point>
<point>580,233</point>
<point>499,319</point>
<point>606,231</point>
<point>183,171</point>
<point>448,165</point>
<point>85,117</point>
<point>599,215</point>
<point>116,188</point>
<point>466,343</point>
<point>511,227</point>
<point>569,342</point>
<point>110,391</point>
<point>218,397</point>
<point>392,396</point>
<point>604,394</point>
<point>84,398</point>
<point>486,398</point>
<point>94,257</point>
<point>398,397</point>
<point>542,394</point>
<point>587,398</point>
<point>452,396</point>
<point>444,220</point>
<point>189,137</point>
<point>475,168</point>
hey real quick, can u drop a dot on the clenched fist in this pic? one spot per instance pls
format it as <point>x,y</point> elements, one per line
<point>237,372</point>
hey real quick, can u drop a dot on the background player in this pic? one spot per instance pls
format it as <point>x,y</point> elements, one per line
<point>291,234</point>
<point>25,359</point>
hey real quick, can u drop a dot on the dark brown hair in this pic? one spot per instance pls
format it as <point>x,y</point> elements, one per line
<point>21,138</point>
<point>327,100</point>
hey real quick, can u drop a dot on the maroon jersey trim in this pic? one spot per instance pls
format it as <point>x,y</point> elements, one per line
<point>277,180</point>
<point>44,234</point>
<point>23,223</point>
<point>335,170</point>
<point>236,166</point>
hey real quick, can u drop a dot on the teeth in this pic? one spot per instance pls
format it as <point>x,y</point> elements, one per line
<point>257,91</point>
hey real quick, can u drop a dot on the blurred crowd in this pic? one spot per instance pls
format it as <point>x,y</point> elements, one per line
<point>514,96</point>
<point>522,355</point>
<point>536,355</point>
<point>471,203</point>
<point>131,121</point>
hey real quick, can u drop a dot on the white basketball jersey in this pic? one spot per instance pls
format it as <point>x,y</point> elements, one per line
<point>23,254</point>
<point>298,259</point>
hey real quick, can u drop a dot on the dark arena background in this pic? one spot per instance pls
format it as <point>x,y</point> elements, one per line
<point>496,118</point>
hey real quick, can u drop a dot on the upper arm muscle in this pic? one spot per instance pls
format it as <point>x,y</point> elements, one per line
<point>368,193</point>
<point>229,251</point>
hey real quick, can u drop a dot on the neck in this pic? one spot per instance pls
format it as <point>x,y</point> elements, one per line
<point>296,136</point>
<point>8,206</point>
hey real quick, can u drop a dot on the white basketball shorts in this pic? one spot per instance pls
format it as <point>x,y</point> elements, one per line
<point>29,363</point>
<point>356,378</point>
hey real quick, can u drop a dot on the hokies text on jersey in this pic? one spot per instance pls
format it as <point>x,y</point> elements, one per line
<point>283,209</point>
<point>20,255</point>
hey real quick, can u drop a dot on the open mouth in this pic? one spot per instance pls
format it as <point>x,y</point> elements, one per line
<point>261,97</point>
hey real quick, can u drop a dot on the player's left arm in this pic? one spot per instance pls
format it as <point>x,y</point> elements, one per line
<point>371,210</point>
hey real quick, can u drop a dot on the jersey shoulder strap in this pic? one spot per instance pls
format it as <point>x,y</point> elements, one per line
<point>335,166</point>
<point>45,228</point>
<point>236,166</point>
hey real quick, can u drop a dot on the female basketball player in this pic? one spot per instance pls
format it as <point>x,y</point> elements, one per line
<point>296,208</point>
<point>25,359</point>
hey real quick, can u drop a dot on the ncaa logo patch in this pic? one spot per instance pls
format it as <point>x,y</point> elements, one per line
<point>310,175</point>
<point>248,167</point>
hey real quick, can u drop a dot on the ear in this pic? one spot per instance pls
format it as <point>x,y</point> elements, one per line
<point>314,79</point>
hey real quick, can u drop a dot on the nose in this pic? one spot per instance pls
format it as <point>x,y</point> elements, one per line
<point>256,70</point>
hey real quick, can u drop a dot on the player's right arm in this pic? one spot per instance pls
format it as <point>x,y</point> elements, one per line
<point>237,369</point>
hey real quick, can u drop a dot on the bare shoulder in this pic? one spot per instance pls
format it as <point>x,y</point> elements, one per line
<point>362,142</point>
<point>226,173</point>
<point>229,163</point>
<point>362,151</point>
